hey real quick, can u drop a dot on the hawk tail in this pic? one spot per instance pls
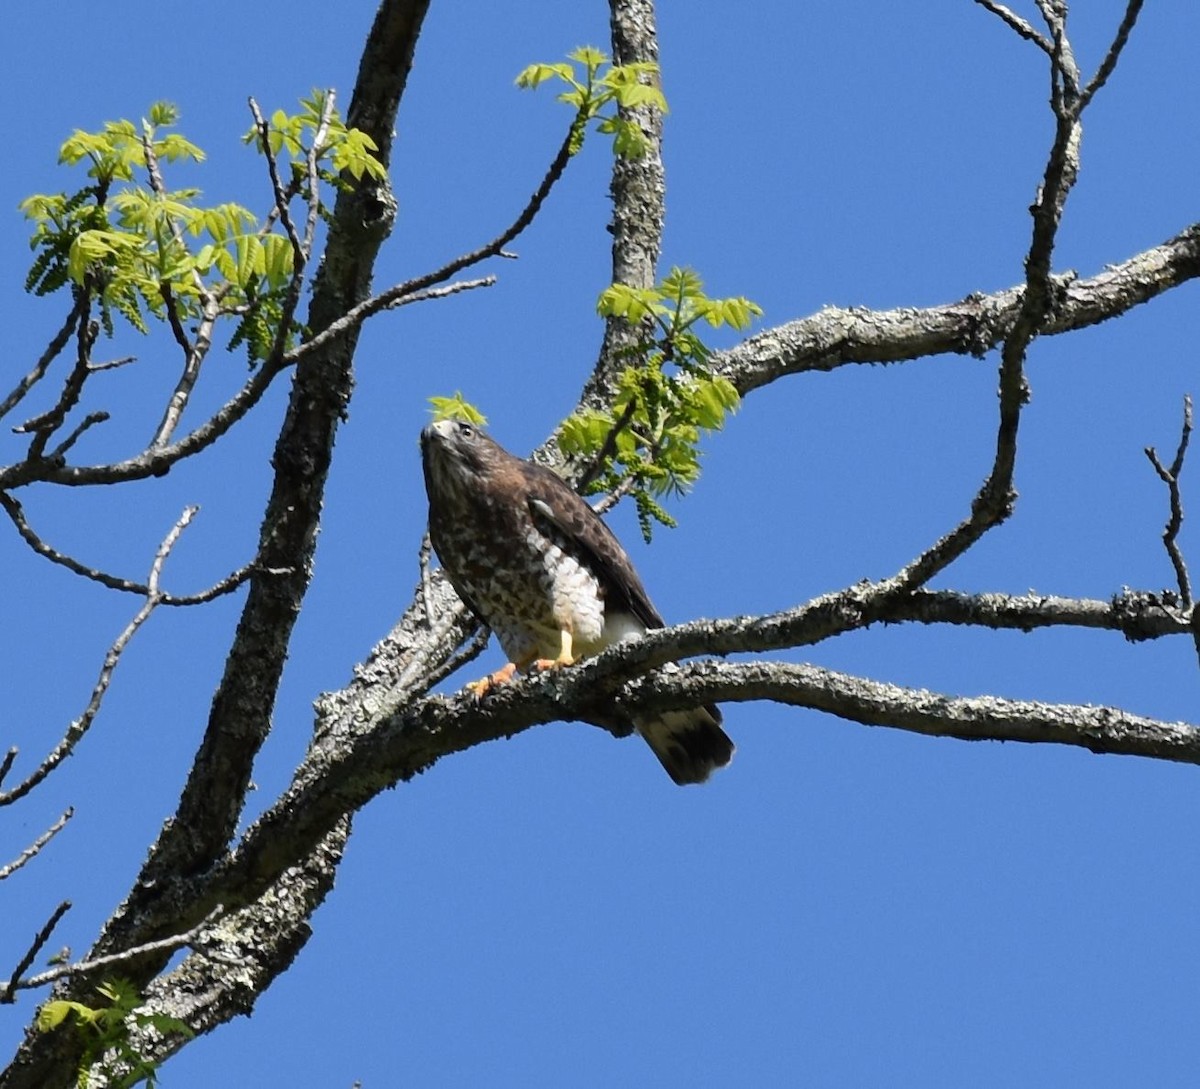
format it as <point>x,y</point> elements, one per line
<point>690,744</point>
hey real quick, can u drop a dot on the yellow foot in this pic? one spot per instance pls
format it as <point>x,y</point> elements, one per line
<point>565,657</point>
<point>484,685</point>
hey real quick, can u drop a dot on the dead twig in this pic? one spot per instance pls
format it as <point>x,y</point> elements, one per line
<point>1170,477</point>
<point>228,584</point>
<point>82,724</point>
<point>8,992</point>
<point>37,844</point>
<point>176,941</point>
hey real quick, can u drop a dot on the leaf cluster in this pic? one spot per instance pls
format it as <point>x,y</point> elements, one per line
<point>648,442</point>
<point>148,252</point>
<point>591,88</point>
<point>318,130</point>
<point>455,408</point>
<point>106,1031</point>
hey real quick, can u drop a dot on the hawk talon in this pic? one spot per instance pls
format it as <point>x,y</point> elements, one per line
<point>484,685</point>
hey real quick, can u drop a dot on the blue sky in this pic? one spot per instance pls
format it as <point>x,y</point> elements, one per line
<point>844,905</point>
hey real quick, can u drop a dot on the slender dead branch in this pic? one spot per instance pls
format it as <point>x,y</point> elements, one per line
<point>176,941</point>
<point>30,536</point>
<point>1024,29</point>
<point>443,292</point>
<point>7,763</point>
<point>57,343</point>
<point>43,426</point>
<point>8,991</point>
<point>281,197</point>
<point>36,846</point>
<point>1170,477</point>
<point>89,421</point>
<point>1109,64</point>
<point>386,300</point>
<point>83,723</point>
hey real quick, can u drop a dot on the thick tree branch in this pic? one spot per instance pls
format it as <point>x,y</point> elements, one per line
<point>872,703</point>
<point>836,337</point>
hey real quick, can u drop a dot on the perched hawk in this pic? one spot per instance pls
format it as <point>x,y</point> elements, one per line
<point>537,565</point>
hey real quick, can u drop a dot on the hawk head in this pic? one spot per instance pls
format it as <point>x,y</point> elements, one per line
<point>454,454</point>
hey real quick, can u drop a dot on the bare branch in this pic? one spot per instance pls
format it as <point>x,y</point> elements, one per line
<point>57,343</point>
<point>8,992</point>
<point>395,296</point>
<point>89,421</point>
<point>169,945</point>
<point>1170,477</point>
<point>443,292</point>
<point>37,844</point>
<point>1018,24</point>
<point>1109,64</point>
<point>935,714</point>
<point>226,585</point>
<point>81,725</point>
<point>43,426</point>
<point>281,198</point>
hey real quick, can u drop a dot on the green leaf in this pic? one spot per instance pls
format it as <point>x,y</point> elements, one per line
<point>53,1014</point>
<point>456,408</point>
<point>536,74</point>
<point>251,259</point>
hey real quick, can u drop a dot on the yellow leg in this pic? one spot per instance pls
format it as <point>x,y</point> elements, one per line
<point>566,654</point>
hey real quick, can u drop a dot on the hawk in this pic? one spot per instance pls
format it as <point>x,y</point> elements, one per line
<point>538,566</point>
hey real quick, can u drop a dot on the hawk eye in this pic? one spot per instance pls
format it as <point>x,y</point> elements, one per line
<point>466,431</point>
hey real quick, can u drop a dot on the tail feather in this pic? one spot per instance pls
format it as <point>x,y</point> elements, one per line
<point>690,744</point>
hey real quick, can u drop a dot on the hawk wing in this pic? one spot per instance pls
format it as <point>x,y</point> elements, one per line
<point>562,514</point>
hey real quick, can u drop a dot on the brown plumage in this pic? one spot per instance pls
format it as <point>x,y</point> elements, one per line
<point>539,567</point>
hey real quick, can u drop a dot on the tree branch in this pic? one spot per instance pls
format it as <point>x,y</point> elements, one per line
<point>1170,477</point>
<point>83,723</point>
<point>35,847</point>
<point>982,718</point>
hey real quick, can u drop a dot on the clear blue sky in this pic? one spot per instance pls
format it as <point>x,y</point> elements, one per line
<point>844,906</point>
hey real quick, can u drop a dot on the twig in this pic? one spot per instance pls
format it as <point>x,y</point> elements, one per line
<point>301,255</point>
<point>228,584</point>
<point>82,724</point>
<point>466,652</point>
<point>90,420</point>
<point>57,343</point>
<point>1018,24</point>
<point>176,941</point>
<point>43,426</point>
<point>8,992</point>
<point>281,200</point>
<point>610,499</point>
<point>1170,477</point>
<point>443,292</point>
<point>1109,64</point>
<point>112,364</point>
<point>7,763</point>
<point>392,297</point>
<point>607,449</point>
<point>37,844</point>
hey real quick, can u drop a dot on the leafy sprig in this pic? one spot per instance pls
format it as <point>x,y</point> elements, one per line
<point>455,408</point>
<point>647,443</point>
<point>106,1032</point>
<point>139,247</point>
<point>593,88</point>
